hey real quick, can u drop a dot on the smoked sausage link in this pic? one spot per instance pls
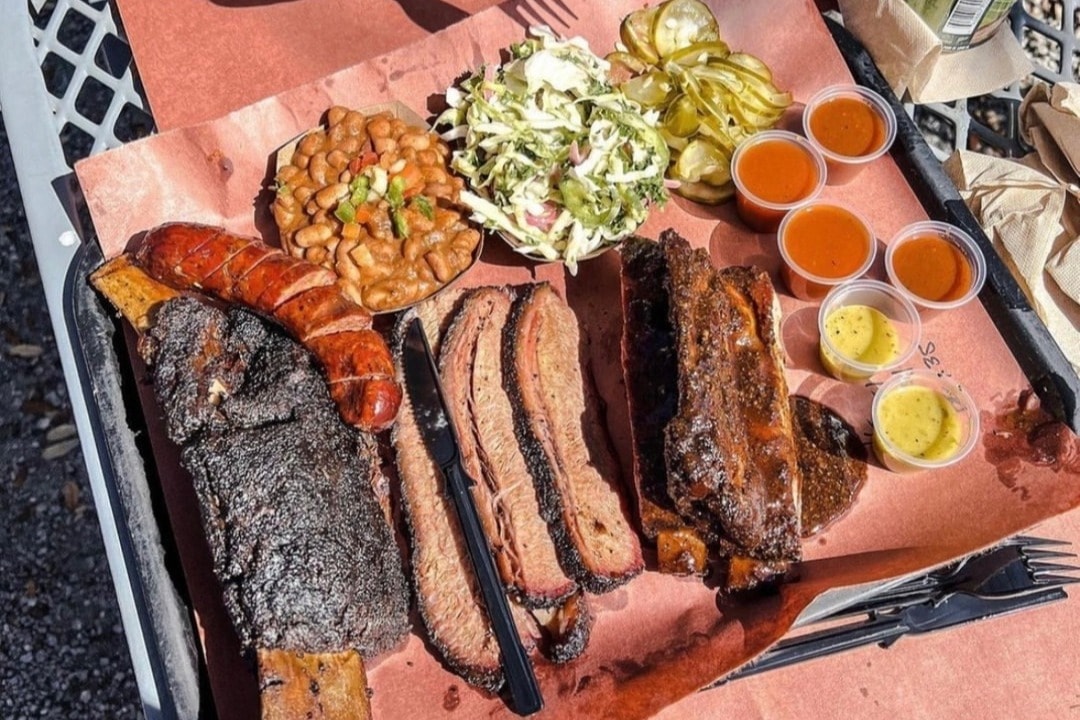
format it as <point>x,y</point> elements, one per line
<point>303,297</point>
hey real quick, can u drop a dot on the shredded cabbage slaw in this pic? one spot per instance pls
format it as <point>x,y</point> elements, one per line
<point>555,157</point>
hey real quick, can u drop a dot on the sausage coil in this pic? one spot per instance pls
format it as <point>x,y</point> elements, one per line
<point>302,297</point>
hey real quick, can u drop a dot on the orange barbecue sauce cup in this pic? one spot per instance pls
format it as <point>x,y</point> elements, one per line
<point>851,126</point>
<point>823,244</point>
<point>774,171</point>
<point>936,265</point>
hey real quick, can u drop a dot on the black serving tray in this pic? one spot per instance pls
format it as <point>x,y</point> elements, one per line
<point>1049,372</point>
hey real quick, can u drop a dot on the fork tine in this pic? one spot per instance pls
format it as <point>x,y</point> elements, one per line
<point>1044,554</point>
<point>1041,567</point>
<point>1031,540</point>
<point>535,19</point>
<point>566,8</point>
<point>542,5</point>
<point>514,11</point>
<point>1055,580</point>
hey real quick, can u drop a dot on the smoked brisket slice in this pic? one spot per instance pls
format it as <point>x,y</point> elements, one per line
<point>470,366</point>
<point>447,594</point>
<point>304,555</point>
<point>562,436</point>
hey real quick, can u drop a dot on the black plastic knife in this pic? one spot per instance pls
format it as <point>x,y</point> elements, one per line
<point>437,429</point>
<point>955,609</point>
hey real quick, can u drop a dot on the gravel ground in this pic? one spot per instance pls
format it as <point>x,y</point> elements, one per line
<point>62,648</point>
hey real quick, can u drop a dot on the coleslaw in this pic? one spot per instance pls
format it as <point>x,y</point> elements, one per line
<point>556,159</point>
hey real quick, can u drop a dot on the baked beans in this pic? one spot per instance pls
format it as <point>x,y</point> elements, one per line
<point>370,197</point>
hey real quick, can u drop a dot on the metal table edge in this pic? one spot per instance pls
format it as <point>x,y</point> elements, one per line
<point>39,163</point>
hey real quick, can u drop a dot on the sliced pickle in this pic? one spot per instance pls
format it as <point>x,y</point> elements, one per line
<point>751,64</point>
<point>705,193</point>
<point>680,23</point>
<point>636,34</point>
<point>650,90</point>
<point>710,98</point>
<point>749,87</point>
<point>633,62</point>
<point>724,136</point>
<point>681,117</point>
<point>624,66</point>
<point>751,119</point>
<point>702,161</point>
<point>692,87</point>
<point>701,53</point>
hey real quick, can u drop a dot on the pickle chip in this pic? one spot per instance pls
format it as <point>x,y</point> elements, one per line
<point>636,34</point>
<point>751,64</point>
<point>650,89</point>
<point>700,53</point>
<point>701,161</point>
<point>624,66</point>
<point>680,23</point>
<point>705,193</point>
<point>681,117</point>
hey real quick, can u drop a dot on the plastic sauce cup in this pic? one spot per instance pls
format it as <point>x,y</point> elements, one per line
<point>851,126</point>
<point>937,268</point>
<point>823,244</point>
<point>949,432</point>
<point>774,171</point>
<point>901,320</point>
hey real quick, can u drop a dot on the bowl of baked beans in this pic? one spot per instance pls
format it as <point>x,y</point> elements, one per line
<point>369,196</point>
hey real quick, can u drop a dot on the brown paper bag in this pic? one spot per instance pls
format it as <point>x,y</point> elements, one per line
<point>1030,217</point>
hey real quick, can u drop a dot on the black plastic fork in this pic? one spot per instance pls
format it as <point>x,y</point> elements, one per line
<point>1026,563</point>
<point>1019,574</point>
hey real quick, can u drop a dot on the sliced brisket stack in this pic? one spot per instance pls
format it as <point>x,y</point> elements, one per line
<point>547,501</point>
<point>447,594</point>
<point>711,394</point>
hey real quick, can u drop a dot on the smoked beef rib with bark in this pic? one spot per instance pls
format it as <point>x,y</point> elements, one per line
<point>730,460</point>
<point>305,557</point>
